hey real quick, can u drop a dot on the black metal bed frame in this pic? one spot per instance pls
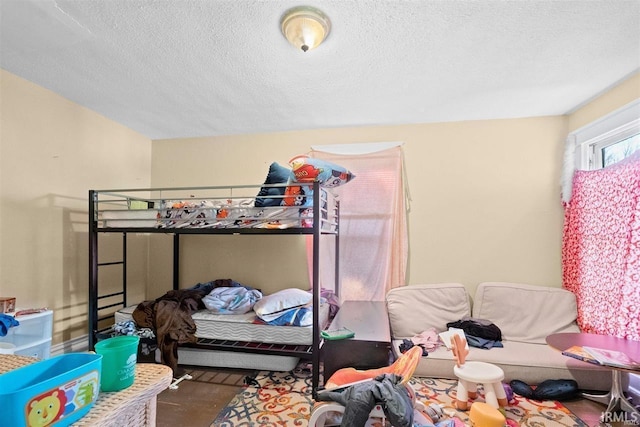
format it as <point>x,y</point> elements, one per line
<point>306,352</point>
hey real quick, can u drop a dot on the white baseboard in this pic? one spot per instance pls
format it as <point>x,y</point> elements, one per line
<point>78,344</point>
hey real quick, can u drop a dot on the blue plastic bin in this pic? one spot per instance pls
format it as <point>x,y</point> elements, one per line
<point>53,392</point>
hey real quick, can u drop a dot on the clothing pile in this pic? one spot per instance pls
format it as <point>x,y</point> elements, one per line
<point>169,316</point>
<point>359,399</point>
<point>7,322</point>
<point>427,340</point>
<point>479,333</point>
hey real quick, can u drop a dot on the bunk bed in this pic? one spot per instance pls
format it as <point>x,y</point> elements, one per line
<point>264,209</point>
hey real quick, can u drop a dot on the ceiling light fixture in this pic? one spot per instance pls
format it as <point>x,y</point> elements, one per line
<point>305,27</point>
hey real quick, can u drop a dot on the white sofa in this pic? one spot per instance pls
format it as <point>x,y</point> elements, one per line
<point>525,314</point>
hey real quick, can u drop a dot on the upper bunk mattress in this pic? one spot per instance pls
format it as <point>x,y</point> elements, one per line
<point>241,327</point>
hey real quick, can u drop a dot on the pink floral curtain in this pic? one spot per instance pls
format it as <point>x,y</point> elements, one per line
<point>601,248</point>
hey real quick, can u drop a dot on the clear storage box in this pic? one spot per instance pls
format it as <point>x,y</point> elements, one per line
<point>40,350</point>
<point>33,336</point>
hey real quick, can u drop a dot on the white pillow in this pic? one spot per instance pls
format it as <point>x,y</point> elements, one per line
<point>281,301</point>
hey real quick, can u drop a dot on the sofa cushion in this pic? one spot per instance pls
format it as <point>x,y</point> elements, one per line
<point>526,313</point>
<point>531,363</point>
<point>415,308</point>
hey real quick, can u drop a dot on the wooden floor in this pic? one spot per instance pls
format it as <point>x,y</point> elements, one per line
<point>197,402</point>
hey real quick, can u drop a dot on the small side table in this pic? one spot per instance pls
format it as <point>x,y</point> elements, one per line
<point>371,345</point>
<point>133,406</point>
<point>615,398</point>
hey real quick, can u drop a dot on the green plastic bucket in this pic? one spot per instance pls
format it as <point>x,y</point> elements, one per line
<point>119,358</point>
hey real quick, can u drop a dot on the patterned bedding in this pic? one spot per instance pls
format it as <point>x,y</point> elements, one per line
<point>216,213</point>
<point>224,214</point>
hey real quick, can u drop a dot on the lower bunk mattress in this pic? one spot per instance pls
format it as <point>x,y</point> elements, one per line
<point>240,327</point>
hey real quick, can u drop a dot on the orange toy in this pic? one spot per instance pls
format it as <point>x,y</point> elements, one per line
<point>404,366</point>
<point>484,415</point>
<point>460,351</point>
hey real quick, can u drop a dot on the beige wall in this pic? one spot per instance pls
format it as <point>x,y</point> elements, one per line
<point>52,151</point>
<point>486,199</point>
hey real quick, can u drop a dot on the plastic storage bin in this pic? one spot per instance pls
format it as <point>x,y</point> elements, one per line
<point>118,361</point>
<point>147,349</point>
<point>57,391</point>
<point>40,350</point>
<point>33,336</point>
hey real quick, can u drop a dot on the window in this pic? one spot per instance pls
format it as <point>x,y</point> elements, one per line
<point>601,143</point>
<point>608,140</point>
<point>609,154</point>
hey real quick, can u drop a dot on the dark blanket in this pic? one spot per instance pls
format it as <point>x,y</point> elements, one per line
<point>478,328</point>
<point>170,317</point>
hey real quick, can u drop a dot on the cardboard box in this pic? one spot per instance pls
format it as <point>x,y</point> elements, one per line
<point>7,304</point>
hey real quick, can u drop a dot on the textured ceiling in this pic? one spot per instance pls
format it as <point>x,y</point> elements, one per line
<point>182,68</point>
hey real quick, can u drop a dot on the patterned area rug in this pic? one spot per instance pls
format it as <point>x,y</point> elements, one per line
<point>531,413</point>
<point>284,399</point>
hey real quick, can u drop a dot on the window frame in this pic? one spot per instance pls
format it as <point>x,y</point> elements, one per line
<point>613,128</point>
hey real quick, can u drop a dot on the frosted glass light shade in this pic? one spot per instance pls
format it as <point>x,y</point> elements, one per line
<point>305,27</point>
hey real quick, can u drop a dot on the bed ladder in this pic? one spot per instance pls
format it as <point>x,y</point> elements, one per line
<point>94,296</point>
<point>118,299</point>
